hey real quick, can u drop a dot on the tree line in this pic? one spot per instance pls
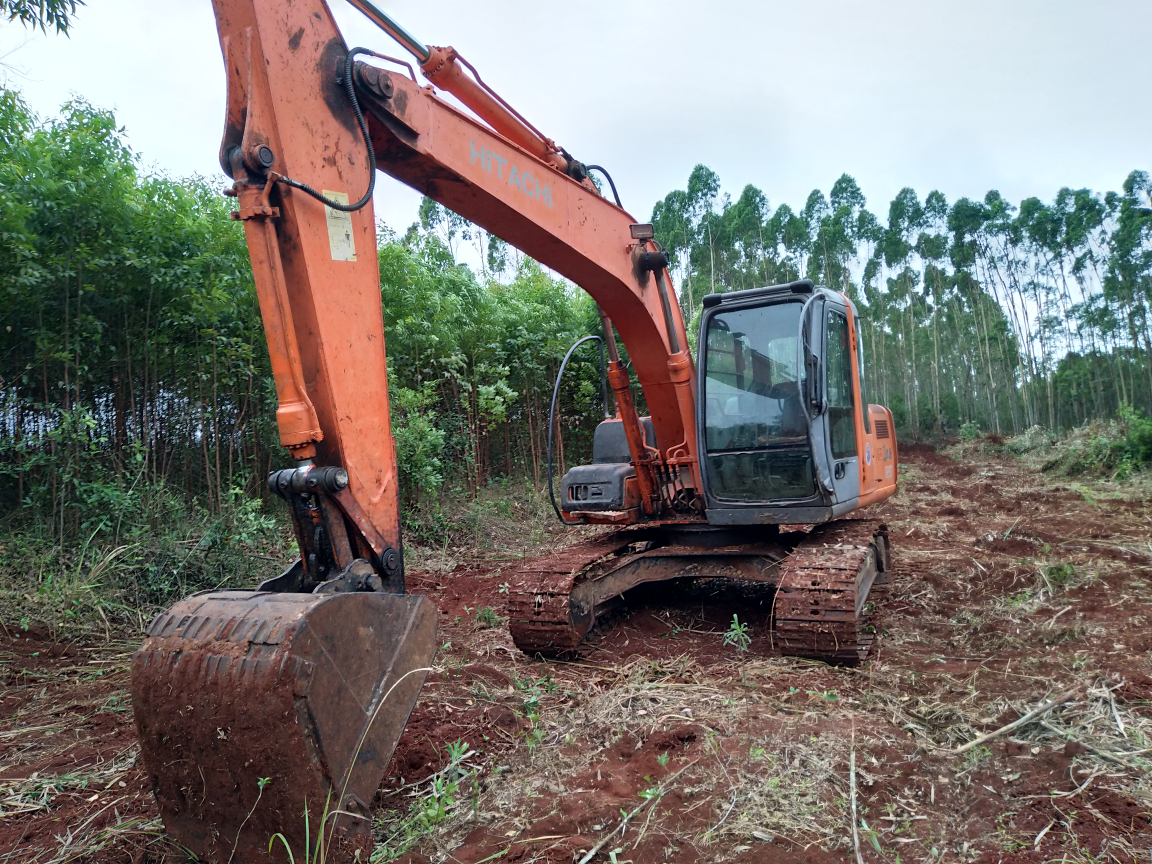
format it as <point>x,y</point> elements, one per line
<point>134,376</point>
<point>977,312</point>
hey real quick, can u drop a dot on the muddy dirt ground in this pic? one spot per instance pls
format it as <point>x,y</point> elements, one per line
<point>661,743</point>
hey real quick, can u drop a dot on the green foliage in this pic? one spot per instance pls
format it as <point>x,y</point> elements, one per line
<point>482,355</point>
<point>419,442</point>
<point>444,790</point>
<point>133,350</point>
<point>135,392</point>
<point>1035,438</point>
<point>1116,448</point>
<point>970,431</point>
<point>1137,435</point>
<point>487,618</point>
<point>737,635</point>
<point>975,312</point>
<point>1059,574</point>
<point>41,13</point>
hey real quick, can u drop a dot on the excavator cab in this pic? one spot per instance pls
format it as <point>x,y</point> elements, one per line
<point>784,431</point>
<point>785,427</point>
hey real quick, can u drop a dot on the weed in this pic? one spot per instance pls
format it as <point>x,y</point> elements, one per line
<point>261,783</point>
<point>662,759</point>
<point>737,635</point>
<point>39,793</point>
<point>487,618</point>
<point>117,703</point>
<point>1059,574</point>
<point>872,835</point>
<point>313,854</point>
<point>975,757</point>
<point>430,809</point>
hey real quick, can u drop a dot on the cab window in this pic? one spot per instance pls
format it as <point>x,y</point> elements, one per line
<point>841,398</point>
<point>755,431</point>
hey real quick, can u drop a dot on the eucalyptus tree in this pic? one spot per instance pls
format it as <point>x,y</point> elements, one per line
<point>41,13</point>
<point>1128,278</point>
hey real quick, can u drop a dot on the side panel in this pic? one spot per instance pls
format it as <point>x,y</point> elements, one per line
<point>880,453</point>
<point>876,442</point>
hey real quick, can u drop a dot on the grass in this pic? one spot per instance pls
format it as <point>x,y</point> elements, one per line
<point>399,832</point>
<point>115,580</point>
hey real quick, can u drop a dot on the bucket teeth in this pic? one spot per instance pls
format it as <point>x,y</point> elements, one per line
<point>252,706</point>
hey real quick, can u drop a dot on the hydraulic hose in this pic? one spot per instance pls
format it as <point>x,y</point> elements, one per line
<point>608,177</point>
<point>392,27</point>
<point>351,91</point>
<point>552,409</point>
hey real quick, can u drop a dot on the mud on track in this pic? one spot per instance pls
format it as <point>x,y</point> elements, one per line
<point>1009,587</point>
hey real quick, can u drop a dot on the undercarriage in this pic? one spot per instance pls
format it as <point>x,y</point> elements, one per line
<point>827,582</point>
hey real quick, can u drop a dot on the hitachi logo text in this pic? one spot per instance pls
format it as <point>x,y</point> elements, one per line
<point>493,163</point>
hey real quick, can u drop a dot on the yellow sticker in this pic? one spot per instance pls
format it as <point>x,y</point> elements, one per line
<point>340,239</point>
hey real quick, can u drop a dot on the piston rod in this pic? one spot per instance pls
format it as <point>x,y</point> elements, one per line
<point>393,29</point>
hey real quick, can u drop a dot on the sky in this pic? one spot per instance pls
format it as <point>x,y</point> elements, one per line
<point>962,96</point>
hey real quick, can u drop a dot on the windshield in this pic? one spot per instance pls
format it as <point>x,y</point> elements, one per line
<point>755,430</point>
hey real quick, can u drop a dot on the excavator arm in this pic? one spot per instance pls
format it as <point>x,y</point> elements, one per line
<point>291,114</point>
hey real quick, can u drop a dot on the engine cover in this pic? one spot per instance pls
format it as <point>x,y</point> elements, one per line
<point>597,488</point>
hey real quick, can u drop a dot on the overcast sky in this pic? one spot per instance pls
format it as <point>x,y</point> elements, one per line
<point>1024,96</point>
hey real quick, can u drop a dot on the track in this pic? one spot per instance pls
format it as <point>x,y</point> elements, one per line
<point>829,582</point>
<point>829,589</point>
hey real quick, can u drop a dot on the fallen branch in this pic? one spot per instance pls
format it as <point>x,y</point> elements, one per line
<point>852,782</point>
<point>591,853</point>
<point>1066,696</point>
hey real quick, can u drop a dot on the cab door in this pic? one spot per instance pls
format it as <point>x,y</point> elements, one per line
<point>840,412</point>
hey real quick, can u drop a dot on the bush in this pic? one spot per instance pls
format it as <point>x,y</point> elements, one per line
<point>138,561</point>
<point>1036,438</point>
<point>1116,448</point>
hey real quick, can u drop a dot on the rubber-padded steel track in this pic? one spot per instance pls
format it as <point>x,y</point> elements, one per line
<point>541,614</point>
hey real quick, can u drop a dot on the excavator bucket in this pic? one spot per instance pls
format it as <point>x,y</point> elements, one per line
<point>253,708</point>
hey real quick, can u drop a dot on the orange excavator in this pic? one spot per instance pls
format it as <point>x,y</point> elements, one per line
<point>276,711</point>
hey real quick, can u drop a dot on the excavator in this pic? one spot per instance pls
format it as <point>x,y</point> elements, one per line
<point>275,712</point>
